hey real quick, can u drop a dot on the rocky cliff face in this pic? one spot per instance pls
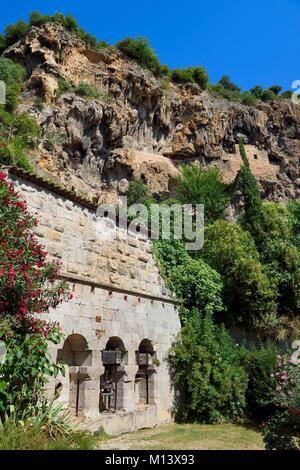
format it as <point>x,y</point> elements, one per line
<point>143,127</point>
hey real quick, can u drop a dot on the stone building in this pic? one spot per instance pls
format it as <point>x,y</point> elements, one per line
<point>120,323</point>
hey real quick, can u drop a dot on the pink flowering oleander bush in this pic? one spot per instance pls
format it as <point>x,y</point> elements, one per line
<point>29,287</point>
<point>282,431</point>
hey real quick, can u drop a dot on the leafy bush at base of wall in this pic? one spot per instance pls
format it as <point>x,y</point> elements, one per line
<point>205,365</point>
<point>260,365</point>
<point>282,432</point>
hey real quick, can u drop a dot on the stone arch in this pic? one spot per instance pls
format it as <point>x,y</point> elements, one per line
<point>114,357</point>
<point>77,357</point>
<point>144,378</point>
<point>75,351</point>
<point>146,346</point>
<point>115,343</point>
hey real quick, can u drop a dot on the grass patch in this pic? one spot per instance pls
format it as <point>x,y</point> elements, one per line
<point>190,437</point>
<point>17,437</point>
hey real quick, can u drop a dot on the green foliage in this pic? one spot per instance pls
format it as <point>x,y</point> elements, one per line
<point>248,99</point>
<point>248,293</point>
<point>141,51</point>
<point>264,95</point>
<point>19,30</point>
<point>281,432</point>
<point>19,134</point>
<point>294,215</point>
<point>15,32</point>
<point>26,370</point>
<point>64,86</point>
<point>10,72</point>
<point>276,89</point>
<point>29,287</point>
<point>68,22</point>
<point>281,256</point>
<point>245,98</point>
<point>137,192</point>
<point>191,75</point>
<point>13,75</point>
<point>199,185</point>
<point>205,364</point>
<point>88,91</point>
<point>170,254</point>
<point>197,286</point>
<point>261,367</point>
<point>287,95</point>
<point>36,433</point>
<point>226,83</point>
<point>252,198</point>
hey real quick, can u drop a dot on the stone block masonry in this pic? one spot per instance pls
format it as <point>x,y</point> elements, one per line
<point>120,305</point>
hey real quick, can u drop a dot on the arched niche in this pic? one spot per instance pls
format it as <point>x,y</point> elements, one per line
<point>111,381</point>
<point>144,378</point>
<point>75,351</point>
<point>77,357</point>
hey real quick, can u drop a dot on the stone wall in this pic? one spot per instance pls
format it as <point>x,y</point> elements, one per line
<point>118,297</point>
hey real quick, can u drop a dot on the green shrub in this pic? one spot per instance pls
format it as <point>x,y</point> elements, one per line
<point>191,75</point>
<point>19,30</point>
<point>264,95</point>
<point>170,254</point>
<point>287,95</point>
<point>226,83</point>
<point>205,366</point>
<point>15,32</point>
<point>280,254</point>
<point>64,86</point>
<point>197,285</point>
<point>10,72</point>
<point>84,89</point>
<point>68,22</point>
<point>282,432</point>
<point>137,192</point>
<point>200,185</point>
<point>248,99</point>
<point>233,94</point>
<point>261,367</point>
<point>276,89</point>
<point>13,75</point>
<point>102,45</point>
<point>141,51</point>
<point>20,134</point>
<point>248,293</point>
<point>294,215</point>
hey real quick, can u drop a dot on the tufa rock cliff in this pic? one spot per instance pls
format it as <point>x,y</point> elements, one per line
<point>143,127</point>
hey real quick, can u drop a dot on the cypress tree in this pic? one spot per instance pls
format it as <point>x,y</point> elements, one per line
<point>252,198</point>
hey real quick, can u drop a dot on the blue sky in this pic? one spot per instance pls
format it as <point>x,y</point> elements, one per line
<point>255,42</point>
